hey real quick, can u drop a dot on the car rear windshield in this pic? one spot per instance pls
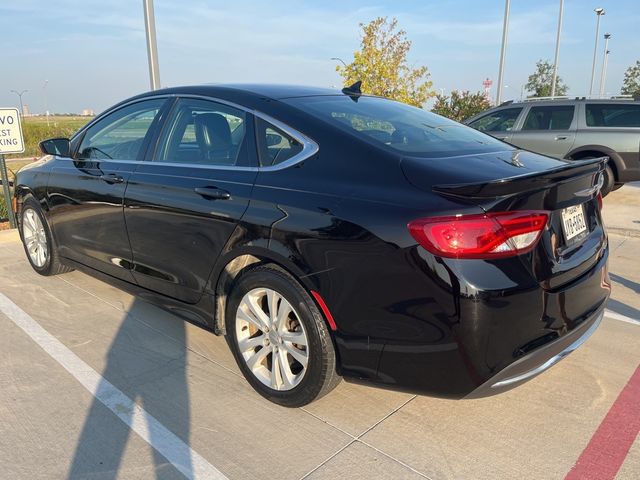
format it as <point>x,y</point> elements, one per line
<point>612,115</point>
<point>403,128</point>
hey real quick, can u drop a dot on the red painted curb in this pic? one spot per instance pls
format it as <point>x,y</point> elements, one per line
<point>609,446</point>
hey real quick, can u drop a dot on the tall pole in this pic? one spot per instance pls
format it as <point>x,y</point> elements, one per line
<point>555,61</point>
<point>505,31</point>
<point>46,103</point>
<point>152,46</point>
<point>603,74</point>
<point>20,95</point>
<point>599,12</point>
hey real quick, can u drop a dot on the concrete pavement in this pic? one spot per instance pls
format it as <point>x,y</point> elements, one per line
<point>186,379</point>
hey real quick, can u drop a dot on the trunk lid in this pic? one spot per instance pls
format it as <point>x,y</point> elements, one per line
<point>515,180</point>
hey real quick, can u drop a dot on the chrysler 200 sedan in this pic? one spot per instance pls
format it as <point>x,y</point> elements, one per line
<point>329,234</point>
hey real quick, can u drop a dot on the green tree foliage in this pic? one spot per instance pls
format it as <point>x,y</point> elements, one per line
<point>381,64</point>
<point>539,82</point>
<point>631,82</point>
<point>460,105</point>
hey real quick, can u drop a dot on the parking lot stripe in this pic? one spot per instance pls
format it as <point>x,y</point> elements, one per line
<point>187,461</point>
<point>622,318</point>
<point>609,446</point>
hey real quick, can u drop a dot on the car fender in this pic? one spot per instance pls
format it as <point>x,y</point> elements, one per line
<point>618,163</point>
<point>246,248</point>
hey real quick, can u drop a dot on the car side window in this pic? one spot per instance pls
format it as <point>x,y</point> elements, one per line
<point>500,121</point>
<point>552,117</point>
<point>120,135</point>
<point>204,132</point>
<point>274,145</point>
<point>612,115</point>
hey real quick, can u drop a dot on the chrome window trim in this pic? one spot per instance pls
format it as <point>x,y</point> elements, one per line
<point>309,147</point>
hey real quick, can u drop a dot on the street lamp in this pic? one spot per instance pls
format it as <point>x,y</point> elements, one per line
<point>46,103</point>
<point>505,31</point>
<point>339,60</point>
<point>599,12</point>
<point>555,61</point>
<point>605,60</point>
<point>20,95</point>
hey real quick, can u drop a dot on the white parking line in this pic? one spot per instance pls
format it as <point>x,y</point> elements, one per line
<point>188,462</point>
<point>622,318</point>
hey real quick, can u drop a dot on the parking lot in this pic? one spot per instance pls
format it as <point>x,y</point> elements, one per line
<point>95,383</point>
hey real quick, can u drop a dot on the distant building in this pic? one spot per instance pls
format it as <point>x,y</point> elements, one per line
<point>25,110</point>
<point>87,112</point>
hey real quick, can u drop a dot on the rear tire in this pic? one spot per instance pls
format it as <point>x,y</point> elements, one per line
<point>609,181</point>
<point>279,338</point>
<point>38,242</point>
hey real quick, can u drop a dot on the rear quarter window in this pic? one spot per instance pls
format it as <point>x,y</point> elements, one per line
<point>398,126</point>
<point>612,115</point>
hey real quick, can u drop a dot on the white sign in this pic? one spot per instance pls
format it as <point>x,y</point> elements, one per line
<point>10,131</point>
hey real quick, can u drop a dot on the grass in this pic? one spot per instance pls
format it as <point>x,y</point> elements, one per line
<point>35,129</point>
<point>4,208</point>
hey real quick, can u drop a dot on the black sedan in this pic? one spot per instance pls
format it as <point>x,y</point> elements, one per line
<point>329,234</point>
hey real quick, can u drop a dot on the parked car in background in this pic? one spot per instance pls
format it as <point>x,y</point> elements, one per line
<point>574,129</point>
<point>329,235</point>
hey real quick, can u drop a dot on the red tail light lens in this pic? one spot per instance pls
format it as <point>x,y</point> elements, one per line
<point>492,235</point>
<point>599,198</point>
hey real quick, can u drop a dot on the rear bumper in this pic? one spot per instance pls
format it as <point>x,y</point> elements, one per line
<point>469,340</point>
<point>539,360</point>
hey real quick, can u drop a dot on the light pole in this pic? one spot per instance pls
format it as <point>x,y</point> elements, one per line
<point>599,12</point>
<point>605,60</point>
<point>555,61</point>
<point>46,103</point>
<point>152,46</point>
<point>505,31</point>
<point>20,95</point>
<point>339,60</point>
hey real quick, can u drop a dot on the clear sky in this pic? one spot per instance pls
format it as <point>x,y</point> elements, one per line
<point>93,52</point>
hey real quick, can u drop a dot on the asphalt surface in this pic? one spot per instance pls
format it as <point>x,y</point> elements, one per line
<point>97,384</point>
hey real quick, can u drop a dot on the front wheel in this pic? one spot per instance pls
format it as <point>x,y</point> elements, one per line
<point>279,338</point>
<point>38,241</point>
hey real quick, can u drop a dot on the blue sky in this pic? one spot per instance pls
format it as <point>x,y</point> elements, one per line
<point>93,52</point>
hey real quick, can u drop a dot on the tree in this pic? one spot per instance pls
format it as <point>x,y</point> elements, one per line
<point>381,65</point>
<point>461,105</point>
<point>631,82</point>
<point>539,82</point>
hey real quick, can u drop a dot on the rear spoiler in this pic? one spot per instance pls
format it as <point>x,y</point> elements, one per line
<point>529,182</point>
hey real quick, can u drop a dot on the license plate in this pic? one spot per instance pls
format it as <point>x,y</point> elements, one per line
<point>573,222</point>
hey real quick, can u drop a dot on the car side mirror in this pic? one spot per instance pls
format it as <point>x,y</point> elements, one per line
<point>273,139</point>
<point>56,146</point>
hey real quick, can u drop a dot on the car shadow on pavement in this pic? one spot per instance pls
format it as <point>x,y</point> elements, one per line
<point>623,309</point>
<point>630,284</point>
<point>147,362</point>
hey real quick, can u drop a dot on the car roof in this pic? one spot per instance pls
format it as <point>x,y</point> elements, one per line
<point>250,90</point>
<point>564,101</point>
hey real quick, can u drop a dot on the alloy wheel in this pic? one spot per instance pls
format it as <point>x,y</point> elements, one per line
<point>271,339</point>
<point>35,238</point>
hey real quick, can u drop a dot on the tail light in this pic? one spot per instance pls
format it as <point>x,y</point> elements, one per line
<point>491,235</point>
<point>599,198</point>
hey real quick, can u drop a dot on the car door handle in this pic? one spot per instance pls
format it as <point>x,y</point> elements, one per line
<point>213,193</point>
<point>561,137</point>
<point>111,178</point>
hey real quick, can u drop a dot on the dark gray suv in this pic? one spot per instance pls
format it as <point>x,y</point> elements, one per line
<point>574,129</point>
